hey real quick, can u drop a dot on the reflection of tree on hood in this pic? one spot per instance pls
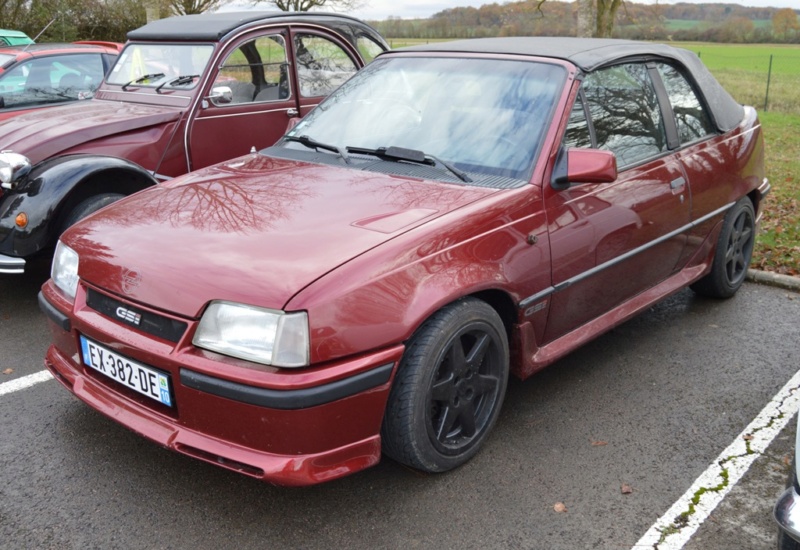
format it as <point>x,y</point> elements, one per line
<point>224,198</point>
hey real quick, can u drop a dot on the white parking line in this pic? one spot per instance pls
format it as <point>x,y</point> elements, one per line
<point>25,382</point>
<point>674,529</point>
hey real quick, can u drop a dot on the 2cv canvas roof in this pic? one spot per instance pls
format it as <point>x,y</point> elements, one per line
<point>215,26</point>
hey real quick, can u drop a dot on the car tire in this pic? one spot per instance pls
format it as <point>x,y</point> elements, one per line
<point>733,252</point>
<point>89,206</point>
<point>448,389</point>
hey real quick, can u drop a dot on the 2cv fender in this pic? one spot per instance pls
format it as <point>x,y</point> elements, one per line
<point>58,192</point>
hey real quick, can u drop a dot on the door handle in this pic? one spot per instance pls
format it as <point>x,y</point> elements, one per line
<point>291,113</point>
<point>677,183</point>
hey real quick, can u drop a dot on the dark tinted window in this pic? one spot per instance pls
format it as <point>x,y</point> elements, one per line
<point>624,109</point>
<point>690,116</point>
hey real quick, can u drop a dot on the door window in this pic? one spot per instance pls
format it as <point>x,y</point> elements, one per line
<point>368,48</point>
<point>322,65</point>
<point>625,113</point>
<point>256,71</point>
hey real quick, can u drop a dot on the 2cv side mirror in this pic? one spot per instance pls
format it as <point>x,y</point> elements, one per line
<point>583,166</point>
<point>221,95</point>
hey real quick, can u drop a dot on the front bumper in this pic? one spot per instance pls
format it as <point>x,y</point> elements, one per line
<point>12,265</point>
<point>303,428</point>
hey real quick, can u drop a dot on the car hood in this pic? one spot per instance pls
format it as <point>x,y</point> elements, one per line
<point>255,230</point>
<point>47,132</point>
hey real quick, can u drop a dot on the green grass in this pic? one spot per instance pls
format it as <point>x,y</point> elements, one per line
<point>778,244</point>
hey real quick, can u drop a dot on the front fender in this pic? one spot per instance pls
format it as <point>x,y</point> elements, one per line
<point>52,188</point>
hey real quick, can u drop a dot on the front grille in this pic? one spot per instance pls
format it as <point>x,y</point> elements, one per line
<point>140,319</point>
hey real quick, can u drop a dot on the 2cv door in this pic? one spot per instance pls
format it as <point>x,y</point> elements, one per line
<point>256,90</point>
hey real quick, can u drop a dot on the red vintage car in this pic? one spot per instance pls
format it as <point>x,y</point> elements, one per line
<point>186,92</point>
<point>453,214</point>
<point>43,75</point>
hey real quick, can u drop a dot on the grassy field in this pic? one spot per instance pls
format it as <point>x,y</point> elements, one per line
<point>778,244</point>
<point>742,69</point>
<point>745,68</point>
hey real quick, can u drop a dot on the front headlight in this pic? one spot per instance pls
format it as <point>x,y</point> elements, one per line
<point>65,269</point>
<point>255,334</point>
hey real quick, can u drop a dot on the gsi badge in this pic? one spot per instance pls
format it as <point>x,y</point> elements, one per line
<point>128,315</point>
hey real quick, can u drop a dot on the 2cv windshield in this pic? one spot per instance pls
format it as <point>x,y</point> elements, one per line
<point>173,66</point>
<point>486,117</point>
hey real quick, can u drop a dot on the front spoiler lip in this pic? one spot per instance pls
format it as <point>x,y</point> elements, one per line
<point>787,513</point>
<point>289,470</point>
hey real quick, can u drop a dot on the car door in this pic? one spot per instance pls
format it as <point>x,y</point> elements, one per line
<point>611,241</point>
<point>249,101</point>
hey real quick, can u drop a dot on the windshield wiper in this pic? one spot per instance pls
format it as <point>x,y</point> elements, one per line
<point>411,155</point>
<point>179,81</point>
<point>141,79</point>
<point>312,143</point>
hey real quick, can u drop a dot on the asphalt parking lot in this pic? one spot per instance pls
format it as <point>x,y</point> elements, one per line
<point>648,406</point>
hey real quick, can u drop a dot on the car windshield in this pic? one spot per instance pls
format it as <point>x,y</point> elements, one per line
<point>173,66</point>
<point>485,117</point>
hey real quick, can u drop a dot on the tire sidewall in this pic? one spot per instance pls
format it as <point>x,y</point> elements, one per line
<point>720,268</point>
<point>447,323</point>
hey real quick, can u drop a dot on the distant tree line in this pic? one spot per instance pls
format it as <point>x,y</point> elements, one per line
<point>704,22</point>
<point>71,20</point>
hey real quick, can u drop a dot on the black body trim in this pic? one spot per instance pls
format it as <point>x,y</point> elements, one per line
<point>287,399</point>
<point>54,314</point>
<point>621,258</point>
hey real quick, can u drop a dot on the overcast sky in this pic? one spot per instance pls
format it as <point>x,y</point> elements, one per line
<point>381,9</point>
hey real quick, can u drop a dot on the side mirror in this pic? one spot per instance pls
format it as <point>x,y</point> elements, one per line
<point>583,166</point>
<point>221,95</point>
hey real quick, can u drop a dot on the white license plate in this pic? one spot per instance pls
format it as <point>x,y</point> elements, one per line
<point>133,375</point>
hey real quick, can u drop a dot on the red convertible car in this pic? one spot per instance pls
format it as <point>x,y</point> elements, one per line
<point>453,214</point>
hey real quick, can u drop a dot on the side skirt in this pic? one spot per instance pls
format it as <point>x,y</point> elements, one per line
<point>536,358</point>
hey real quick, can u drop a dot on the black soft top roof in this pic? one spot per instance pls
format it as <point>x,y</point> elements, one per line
<point>589,54</point>
<point>215,26</point>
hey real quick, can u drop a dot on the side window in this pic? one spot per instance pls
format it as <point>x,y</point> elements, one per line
<point>577,127</point>
<point>255,72</point>
<point>368,48</point>
<point>691,118</point>
<point>625,113</point>
<point>77,76</point>
<point>322,66</point>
